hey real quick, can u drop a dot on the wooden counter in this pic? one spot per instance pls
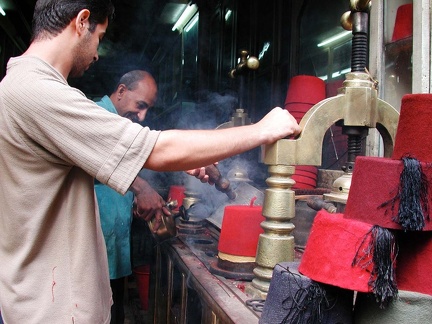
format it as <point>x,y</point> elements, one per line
<point>187,292</point>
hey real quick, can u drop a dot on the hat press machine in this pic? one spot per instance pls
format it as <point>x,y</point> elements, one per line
<point>356,108</point>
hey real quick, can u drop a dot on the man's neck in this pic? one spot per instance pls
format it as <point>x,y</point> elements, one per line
<point>55,51</point>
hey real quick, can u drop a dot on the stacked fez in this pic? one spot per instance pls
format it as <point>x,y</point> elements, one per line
<point>303,93</point>
<point>380,248</point>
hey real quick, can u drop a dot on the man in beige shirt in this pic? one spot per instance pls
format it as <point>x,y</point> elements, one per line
<point>54,142</point>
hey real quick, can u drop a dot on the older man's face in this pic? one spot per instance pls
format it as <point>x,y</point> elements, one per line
<point>134,104</point>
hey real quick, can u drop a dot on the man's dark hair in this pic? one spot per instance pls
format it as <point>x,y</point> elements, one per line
<point>51,17</point>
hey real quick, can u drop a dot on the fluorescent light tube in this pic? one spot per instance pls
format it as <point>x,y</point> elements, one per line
<point>334,38</point>
<point>185,17</point>
<point>192,23</point>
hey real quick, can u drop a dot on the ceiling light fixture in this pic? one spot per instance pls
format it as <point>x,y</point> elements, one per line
<point>2,11</point>
<point>335,38</point>
<point>192,23</point>
<point>228,15</point>
<point>187,14</point>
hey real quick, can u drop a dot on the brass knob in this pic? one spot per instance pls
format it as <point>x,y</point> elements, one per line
<point>346,20</point>
<point>355,6</point>
<point>360,5</point>
<point>252,63</point>
<point>246,63</point>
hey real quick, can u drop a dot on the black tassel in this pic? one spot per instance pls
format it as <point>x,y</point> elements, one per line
<point>309,305</point>
<point>380,255</point>
<point>412,193</point>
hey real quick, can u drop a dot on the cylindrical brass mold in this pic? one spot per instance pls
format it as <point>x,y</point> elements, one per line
<point>276,244</point>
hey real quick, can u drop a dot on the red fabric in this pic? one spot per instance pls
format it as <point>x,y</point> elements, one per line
<point>298,107</point>
<point>374,181</point>
<point>177,193</point>
<point>298,110</point>
<point>404,22</point>
<point>414,262</point>
<point>333,87</point>
<point>142,277</point>
<point>414,134</point>
<point>303,182</point>
<point>330,251</point>
<point>240,230</point>
<point>307,174</point>
<point>298,116</point>
<point>305,89</point>
<point>305,177</point>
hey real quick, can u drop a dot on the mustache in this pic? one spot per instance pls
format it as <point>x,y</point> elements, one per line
<point>131,116</point>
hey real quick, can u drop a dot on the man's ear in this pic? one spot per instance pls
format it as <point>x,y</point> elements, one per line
<point>121,89</point>
<point>82,21</point>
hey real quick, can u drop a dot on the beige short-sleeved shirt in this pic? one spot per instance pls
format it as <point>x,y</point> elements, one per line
<point>53,142</point>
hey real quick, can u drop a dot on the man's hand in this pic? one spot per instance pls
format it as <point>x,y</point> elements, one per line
<point>148,203</point>
<point>200,174</point>
<point>277,124</point>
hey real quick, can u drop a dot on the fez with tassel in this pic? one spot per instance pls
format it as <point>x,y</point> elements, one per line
<point>394,192</point>
<point>352,255</point>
